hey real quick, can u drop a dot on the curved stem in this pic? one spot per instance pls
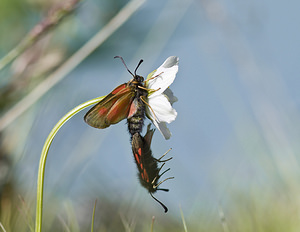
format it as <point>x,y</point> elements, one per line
<point>42,165</point>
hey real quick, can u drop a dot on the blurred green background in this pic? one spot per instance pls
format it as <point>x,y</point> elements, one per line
<point>235,141</point>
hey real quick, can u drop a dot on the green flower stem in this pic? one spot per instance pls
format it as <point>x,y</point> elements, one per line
<point>41,171</point>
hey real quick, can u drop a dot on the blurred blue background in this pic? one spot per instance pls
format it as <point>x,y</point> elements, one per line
<point>237,130</point>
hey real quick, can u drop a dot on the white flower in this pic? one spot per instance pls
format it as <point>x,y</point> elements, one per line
<point>161,97</point>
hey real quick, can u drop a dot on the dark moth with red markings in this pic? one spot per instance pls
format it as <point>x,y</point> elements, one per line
<point>125,101</point>
<point>148,165</point>
<point>134,100</point>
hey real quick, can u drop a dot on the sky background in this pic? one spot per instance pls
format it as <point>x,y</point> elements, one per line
<point>237,129</point>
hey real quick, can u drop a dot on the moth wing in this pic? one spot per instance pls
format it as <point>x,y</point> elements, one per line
<point>138,150</point>
<point>137,146</point>
<point>112,109</point>
<point>121,109</point>
<point>148,136</point>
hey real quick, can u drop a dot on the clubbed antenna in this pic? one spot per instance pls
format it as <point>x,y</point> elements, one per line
<point>165,207</point>
<point>141,61</point>
<point>125,64</point>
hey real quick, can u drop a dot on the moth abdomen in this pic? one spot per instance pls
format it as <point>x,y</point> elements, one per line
<point>136,121</point>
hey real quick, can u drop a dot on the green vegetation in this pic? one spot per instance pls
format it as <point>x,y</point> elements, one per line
<point>42,42</point>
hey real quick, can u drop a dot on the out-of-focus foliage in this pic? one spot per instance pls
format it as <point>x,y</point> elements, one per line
<point>16,17</point>
<point>235,141</point>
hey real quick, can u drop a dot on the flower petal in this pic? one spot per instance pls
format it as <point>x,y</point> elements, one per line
<point>165,76</point>
<point>163,112</point>
<point>162,127</point>
<point>169,94</point>
<point>162,108</point>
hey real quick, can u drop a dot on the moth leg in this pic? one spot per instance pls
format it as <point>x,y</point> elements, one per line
<point>143,100</point>
<point>159,160</point>
<point>148,90</point>
<point>154,77</point>
<point>169,178</point>
<point>159,175</point>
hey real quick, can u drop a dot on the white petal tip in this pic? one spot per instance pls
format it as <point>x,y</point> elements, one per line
<point>170,62</point>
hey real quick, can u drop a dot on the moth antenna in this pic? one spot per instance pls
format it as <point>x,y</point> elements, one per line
<point>141,61</point>
<point>165,207</point>
<point>120,57</point>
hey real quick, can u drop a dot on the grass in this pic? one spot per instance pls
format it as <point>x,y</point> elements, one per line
<point>273,210</point>
<point>41,172</point>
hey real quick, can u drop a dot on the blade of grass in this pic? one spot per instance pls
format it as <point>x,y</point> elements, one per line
<point>42,165</point>
<point>93,216</point>
<point>223,220</point>
<point>71,63</point>
<point>183,220</point>
<point>73,224</point>
<point>125,223</point>
<point>2,227</point>
<point>25,211</point>
<point>64,224</point>
<point>152,224</point>
<point>53,18</point>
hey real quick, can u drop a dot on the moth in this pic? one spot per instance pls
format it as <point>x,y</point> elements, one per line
<point>137,98</point>
<point>134,101</point>
<point>148,170</point>
<point>126,101</point>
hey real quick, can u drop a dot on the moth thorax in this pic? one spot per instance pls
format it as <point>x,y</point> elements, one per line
<point>139,78</point>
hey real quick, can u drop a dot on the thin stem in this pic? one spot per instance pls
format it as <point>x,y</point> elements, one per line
<point>42,165</point>
<point>93,217</point>
<point>2,227</point>
<point>183,220</point>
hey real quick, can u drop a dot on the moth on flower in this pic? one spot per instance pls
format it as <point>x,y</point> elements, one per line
<point>133,100</point>
<point>137,98</point>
